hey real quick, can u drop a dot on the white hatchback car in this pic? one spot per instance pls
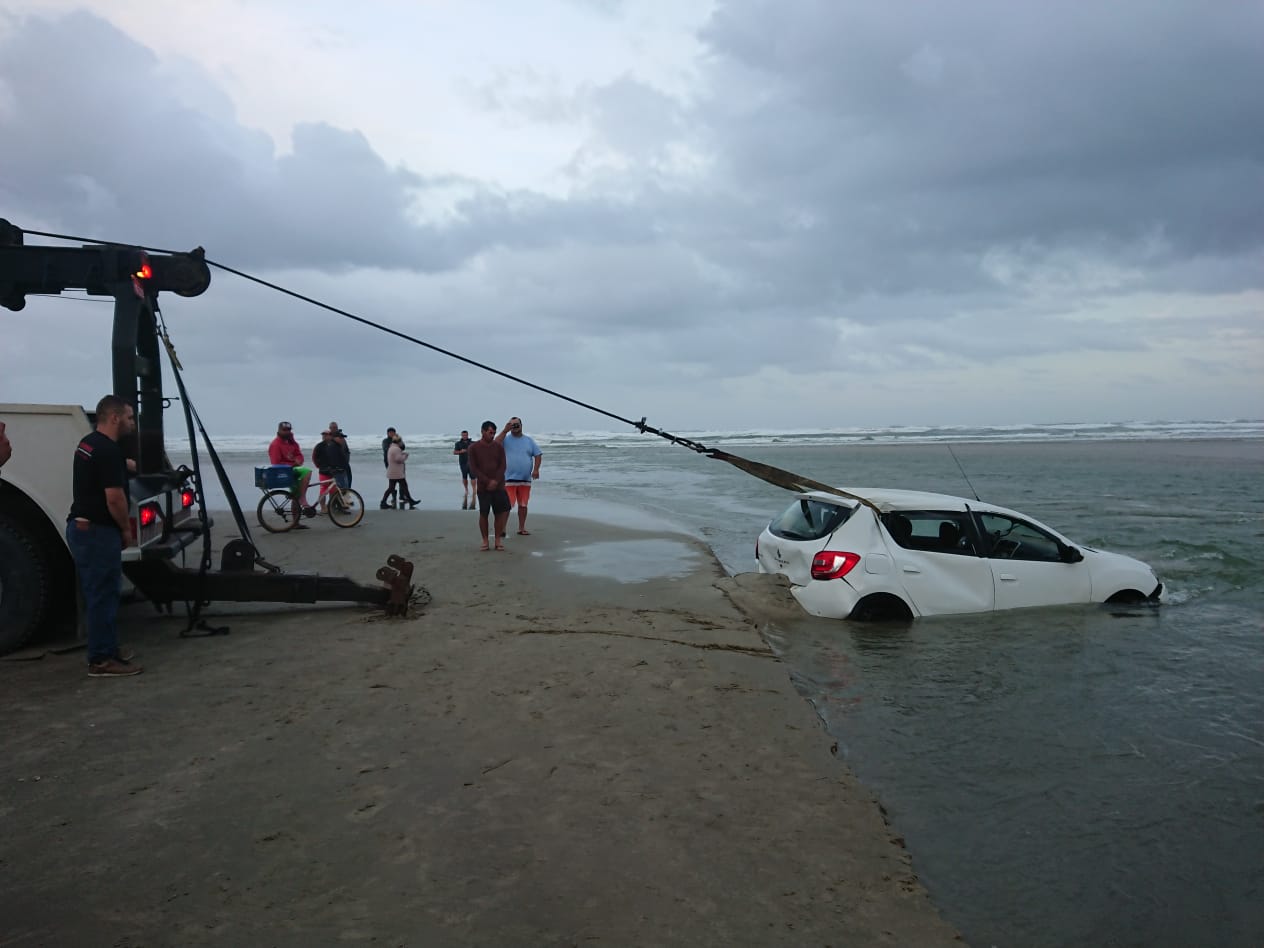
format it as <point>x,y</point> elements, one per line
<point>923,554</point>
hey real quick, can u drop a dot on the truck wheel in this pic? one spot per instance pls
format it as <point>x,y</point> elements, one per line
<point>24,585</point>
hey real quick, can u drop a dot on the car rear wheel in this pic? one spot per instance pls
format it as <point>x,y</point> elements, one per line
<point>881,607</point>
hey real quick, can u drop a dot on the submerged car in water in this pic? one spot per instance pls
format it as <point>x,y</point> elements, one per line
<point>908,553</point>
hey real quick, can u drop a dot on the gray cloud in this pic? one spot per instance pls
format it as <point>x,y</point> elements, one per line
<point>852,189</point>
<point>914,138</point>
<point>107,151</point>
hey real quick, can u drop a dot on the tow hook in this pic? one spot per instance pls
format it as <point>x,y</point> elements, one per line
<point>397,576</point>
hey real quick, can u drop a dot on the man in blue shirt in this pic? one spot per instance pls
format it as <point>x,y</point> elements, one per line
<point>522,466</point>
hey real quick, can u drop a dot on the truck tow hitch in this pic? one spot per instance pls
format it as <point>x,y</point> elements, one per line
<point>163,583</point>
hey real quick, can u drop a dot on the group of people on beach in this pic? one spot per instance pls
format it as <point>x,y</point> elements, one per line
<point>502,468</point>
<point>497,472</point>
<point>332,459</point>
<point>498,469</point>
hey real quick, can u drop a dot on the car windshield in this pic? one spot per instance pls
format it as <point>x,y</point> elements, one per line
<point>810,519</point>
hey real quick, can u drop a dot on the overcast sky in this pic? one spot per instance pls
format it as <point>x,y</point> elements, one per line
<point>732,214</point>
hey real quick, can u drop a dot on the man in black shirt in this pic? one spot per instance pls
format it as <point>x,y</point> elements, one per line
<point>462,451</point>
<point>340,437</point>
<point>98,529</point>
<point>332,461</point>
<point>386,445</point>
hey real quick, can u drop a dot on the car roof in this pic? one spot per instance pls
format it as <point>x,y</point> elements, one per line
<point>888,498</point>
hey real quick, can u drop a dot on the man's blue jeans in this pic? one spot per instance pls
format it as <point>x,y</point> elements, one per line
<point>98,553</point>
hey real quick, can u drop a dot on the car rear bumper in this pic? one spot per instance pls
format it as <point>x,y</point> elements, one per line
<point>829,599</point>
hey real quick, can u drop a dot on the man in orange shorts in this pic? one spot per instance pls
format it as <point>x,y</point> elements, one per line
<point>522,466</point>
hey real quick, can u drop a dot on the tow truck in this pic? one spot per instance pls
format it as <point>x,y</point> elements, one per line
<point>38,587</point>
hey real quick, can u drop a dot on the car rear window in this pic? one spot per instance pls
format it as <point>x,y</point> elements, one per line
<point>810,519</point>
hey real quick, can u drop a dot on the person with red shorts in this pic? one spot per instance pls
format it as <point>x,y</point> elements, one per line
<point>487,463</point>
<point>522,466</point>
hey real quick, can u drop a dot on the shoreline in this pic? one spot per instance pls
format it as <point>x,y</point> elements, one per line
<point>548,754</point>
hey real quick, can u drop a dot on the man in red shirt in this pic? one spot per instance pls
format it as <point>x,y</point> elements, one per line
<point>285,450</point>
<point>487,463</point>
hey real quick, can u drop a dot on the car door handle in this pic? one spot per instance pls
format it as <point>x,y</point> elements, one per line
<point>1008,578</point>
<point>910,569</point>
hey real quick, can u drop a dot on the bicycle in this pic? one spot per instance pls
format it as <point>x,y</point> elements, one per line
<point>344,505</point>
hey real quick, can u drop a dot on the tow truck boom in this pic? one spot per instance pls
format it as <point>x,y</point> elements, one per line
<point>134,278</point>
<point>36,571</point>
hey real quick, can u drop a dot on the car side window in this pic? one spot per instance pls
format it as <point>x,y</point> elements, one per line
<point>932,531</point>
<point>1009,539</point>
<point>809,519</point>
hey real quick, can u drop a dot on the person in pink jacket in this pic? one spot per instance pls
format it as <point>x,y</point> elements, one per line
<point>395,476</point>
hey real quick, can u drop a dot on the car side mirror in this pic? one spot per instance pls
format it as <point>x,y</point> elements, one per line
<point>1071,555</point>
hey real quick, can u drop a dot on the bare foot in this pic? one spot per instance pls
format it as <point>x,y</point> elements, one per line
<point>500,548</point>
<point>524,533</point>
<point>484,547</point>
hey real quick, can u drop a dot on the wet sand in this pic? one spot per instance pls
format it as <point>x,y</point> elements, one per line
<point>560,749</point>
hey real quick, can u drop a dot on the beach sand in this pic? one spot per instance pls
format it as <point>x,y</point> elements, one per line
<point>548,754</point>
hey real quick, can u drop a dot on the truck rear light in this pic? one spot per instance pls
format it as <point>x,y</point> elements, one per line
<point>187,499</point>
<point>148,514</point>
<point>147,525</point>
<point>830,564</point>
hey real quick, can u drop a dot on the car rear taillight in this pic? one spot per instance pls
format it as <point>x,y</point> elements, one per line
<point>187,499</point>
<point>829,564</point>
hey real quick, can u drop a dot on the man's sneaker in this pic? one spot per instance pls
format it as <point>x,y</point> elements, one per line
<point>113,668</point>
<point>383,506</point>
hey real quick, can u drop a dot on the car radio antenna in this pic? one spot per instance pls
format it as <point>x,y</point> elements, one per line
<point>963,472</point>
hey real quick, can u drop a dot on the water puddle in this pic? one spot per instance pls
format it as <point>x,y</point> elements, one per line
<point>631,561</point>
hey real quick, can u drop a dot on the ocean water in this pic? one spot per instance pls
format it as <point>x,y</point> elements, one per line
<point>1079,775</point>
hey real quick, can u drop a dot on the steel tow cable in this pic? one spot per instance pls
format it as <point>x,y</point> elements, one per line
<point>766,472</point>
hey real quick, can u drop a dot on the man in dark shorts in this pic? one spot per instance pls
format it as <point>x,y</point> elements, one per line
<point>487,464</point>
<point>97,530</point>
<point>340,437</point>
<point>386,446</point>
<point>461,450</point>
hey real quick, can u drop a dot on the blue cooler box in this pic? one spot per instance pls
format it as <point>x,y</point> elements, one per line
<point>274,475</point>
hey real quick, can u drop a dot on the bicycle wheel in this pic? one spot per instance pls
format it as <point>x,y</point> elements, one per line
<point>274,511</point>
<point>346,507</point>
